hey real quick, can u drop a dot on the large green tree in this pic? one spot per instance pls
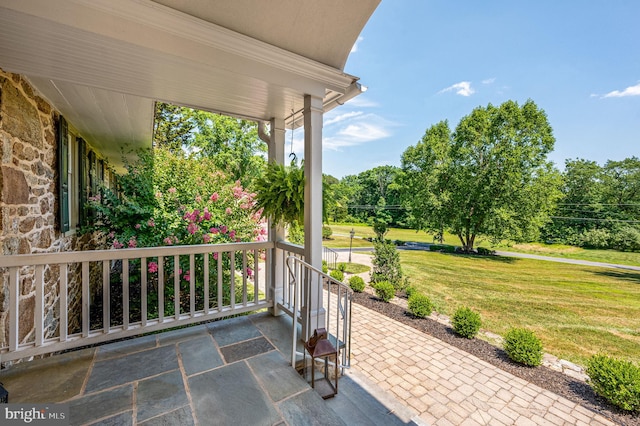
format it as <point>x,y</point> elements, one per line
<point>231,143</point>
<point>489,177</point>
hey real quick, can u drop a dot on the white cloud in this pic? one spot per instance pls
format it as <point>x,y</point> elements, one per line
<point>329,119</point>
<point>463,88</point>
<point>355,45</point>
<point>489,80</point>
<point>629,91</point>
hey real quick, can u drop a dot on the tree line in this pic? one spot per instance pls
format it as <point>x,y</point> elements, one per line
<point>491,176</point>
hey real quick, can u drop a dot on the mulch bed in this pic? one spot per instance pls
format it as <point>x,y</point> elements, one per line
<point>554,381</point>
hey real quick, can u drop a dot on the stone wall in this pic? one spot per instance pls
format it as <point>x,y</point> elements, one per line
<point>29,222</point>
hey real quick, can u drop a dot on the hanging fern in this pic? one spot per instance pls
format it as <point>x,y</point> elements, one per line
<point>280,193</point>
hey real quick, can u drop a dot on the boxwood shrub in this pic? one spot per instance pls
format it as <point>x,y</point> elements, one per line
<point>337,274</point>
<point>523,347</point>
<point>385,290</point>
<point>466,322</point>
<point>356,283</point>
<point>615,380</point>
<point>420,305</point>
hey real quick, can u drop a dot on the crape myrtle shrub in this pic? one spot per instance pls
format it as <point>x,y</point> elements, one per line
<point>167,199</point>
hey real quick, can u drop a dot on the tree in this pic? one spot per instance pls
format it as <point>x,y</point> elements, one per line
<point>491,176</point>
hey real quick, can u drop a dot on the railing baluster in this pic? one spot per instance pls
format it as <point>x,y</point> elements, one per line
<point>220,282</point>
<point>125,294</point>
<point>85,299</point>
<point>176,287</point>
<point>143,291</point>
<point>192,284</point>
<point>244,278</point>
<point>39,308</point>
<point>232,284</point>
<point>63,327</point>
<point>14,306</point>
<point>161,289</point>
<point>106,296</point>
<point>205,259</point>
<point>256,277</point>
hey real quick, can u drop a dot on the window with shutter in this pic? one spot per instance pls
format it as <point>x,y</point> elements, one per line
<point>63,174</point>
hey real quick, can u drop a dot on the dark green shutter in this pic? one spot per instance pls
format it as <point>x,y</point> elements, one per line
<point>82,180</point>
<point>63,173</point>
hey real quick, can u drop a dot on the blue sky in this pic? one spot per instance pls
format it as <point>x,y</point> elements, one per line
<point>424,61</point>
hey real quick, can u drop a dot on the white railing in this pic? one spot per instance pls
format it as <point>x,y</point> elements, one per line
<point>122,293</point>
<point>336,300</point>
<point>287,303</point>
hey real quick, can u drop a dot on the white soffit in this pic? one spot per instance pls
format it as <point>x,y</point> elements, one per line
<point>103,63</point>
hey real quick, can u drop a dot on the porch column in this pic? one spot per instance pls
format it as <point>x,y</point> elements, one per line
<point>313,111</point>
<point>276,233</point>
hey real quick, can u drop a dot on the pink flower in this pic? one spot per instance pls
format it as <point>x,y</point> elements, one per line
<point>214,197</point>
<point>172,190</point>
<point>151,223</point>
<point>228,210</point>
<point>206,238</point>
<point>198,199</point>
<point>117,244</point>
<point>168,241</point>
<point>111,234</point>
<point>223,229</point>
<point>158,194</point>
<point>138,226</point>
<point>132,242</point>
<point>215,256</point>
<point>192,228</point>
<point>186,276</point>
<point>214,230</point>
<point>249,272</point>
<point>232,234</point>
<point>153,267</point>
<point>206,215</point>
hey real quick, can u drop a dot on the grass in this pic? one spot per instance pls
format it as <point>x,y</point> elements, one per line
<point>577,311</point>
<point>554,250</point>
<point>354,268</point>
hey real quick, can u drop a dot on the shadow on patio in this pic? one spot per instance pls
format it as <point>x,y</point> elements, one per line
<point>224,372</point>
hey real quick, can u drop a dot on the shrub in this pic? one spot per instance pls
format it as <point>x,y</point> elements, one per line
<point>385,290</point>
<point>595,238</point>
<point>356,283</point>
<point>466,322</point>
<point>386,264</point>
<point>342,266</point>
<point>442,248</point>
<point>337,274</point>
<point>409,290</point>
<point>325,267</point>
<point>420,305</point>
<point>626,238</point>
<point>523,347</point>
<point>485,251</point>
<point>615,380</point>
<point>326,232</point>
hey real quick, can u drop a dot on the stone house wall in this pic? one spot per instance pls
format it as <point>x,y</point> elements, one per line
<point>29,219</point>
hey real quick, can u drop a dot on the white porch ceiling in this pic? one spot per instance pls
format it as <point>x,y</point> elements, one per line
<point>103,63</point>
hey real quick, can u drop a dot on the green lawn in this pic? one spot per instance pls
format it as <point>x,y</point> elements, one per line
<point>555,250</point>
<point>577,311</point>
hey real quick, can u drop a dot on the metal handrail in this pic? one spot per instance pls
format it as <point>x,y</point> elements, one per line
<point>338,322</point>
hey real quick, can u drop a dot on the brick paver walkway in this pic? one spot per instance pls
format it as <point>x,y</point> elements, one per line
<point>447,386</point>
